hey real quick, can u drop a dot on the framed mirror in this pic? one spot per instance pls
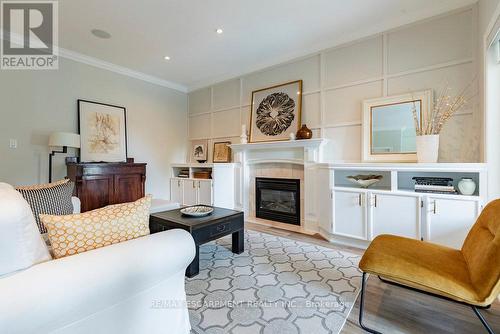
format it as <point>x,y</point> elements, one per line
<point>389,125</point>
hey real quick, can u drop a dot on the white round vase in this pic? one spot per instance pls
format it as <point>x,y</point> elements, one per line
<point>467,186</point>
<point>427,148</point>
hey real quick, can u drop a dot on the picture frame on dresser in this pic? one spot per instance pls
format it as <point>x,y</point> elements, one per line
<point>103,131</point>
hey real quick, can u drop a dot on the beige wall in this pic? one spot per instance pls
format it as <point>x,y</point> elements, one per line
<point>336,81</point>
<point>35,103</point>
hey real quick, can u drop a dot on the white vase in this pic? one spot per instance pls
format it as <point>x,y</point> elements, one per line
<point>427,148</point>
<point>467,186</point>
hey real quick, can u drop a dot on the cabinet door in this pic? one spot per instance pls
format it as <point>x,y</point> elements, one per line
<point>190,191</point>
<point>350,214</point>
<point>205,192</point>
<point>176,190</point>
<point>449,221</point>
<point>97,191</point>
<point>395,214</point>
<point>128,188</point>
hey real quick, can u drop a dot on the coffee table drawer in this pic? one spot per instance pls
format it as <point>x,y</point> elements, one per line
<point>215,231</point>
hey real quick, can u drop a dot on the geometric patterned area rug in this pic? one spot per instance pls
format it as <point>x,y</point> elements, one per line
<point>277,286</point>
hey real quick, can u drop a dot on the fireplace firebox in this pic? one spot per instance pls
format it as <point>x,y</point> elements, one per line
<point>278,200</point>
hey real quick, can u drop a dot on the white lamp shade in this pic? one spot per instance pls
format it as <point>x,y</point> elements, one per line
<point>64,139</point>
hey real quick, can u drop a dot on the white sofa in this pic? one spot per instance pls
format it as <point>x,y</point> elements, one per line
<point>131,287</point>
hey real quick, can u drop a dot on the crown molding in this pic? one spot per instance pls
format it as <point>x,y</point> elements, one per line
<point>102,64</point>
<point>81,58</point>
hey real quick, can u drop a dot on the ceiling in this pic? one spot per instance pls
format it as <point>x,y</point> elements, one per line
<point>257,33</point>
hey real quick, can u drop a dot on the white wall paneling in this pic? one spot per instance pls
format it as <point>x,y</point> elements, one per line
<point>423,55</point>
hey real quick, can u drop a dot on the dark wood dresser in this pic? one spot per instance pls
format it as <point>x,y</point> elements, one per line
<point>101,184</point>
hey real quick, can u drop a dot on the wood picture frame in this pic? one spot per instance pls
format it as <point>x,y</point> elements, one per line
<point>103,131</point>
<point>276,112</point>
<point>221,152</point>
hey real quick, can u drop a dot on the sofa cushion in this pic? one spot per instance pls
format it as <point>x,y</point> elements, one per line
<point>51,198</point>
<point>72,234</point>
<point>22,244</point>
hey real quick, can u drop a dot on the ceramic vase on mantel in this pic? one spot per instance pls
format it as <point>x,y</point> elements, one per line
<point>427,148</point>
<point>304,133</point>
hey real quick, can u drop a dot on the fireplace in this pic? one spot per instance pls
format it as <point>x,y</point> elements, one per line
<point>278,200</point>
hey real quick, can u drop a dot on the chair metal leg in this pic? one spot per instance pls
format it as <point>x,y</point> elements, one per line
<point>483,320</point>
<point>362,306</point>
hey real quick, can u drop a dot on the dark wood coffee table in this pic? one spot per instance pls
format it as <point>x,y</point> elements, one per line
<point>219,223</point>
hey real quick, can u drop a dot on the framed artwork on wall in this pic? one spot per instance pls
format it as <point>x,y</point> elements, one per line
<point>276,112</point>
<point>199,150</point>
<point>103,132</point>
<point>222,152</point>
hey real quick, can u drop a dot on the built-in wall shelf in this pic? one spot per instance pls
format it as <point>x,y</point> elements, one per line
<point>397,177</point>
<point>353,215</point>
<point>216,190</point>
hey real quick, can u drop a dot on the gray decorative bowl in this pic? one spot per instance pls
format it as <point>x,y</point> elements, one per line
<point>197,210</point>
<point>364,181</point>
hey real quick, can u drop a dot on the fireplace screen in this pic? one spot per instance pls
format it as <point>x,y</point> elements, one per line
<point>278,200</point>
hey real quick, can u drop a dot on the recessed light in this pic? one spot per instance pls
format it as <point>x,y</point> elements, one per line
<point>219,31</point>
<point>101,33</point>
<point>166,58</point>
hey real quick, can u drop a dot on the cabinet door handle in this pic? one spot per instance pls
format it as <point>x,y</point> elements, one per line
<point>199,184</point>
<point>375,200</point>
<point>359,200</point>
<point>179,183</point>
<point>434,208</point>
<point>194,184</point>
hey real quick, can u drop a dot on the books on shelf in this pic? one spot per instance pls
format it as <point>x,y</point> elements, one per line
<point>184,173</point>
<point>439,185</point>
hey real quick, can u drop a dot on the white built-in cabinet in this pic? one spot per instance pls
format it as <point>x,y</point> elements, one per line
<point>351,215</point>
<point>449,220</point>
<point>217,191</point>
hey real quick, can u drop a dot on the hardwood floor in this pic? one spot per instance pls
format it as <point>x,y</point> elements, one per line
<point>391,309</point>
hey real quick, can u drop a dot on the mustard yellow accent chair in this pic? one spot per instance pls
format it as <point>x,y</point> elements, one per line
<point>469,276</point>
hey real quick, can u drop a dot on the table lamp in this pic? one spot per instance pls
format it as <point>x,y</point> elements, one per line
<point>64,140</point>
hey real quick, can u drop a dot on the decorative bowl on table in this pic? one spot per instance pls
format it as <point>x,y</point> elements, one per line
<point>364,181</point>
<point>197,210</point>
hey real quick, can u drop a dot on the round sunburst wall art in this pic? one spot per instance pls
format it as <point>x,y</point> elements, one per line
<point>276,112</point>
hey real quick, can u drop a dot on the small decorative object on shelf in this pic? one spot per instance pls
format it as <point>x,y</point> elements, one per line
<point>292,136</point>
<point>243,137</point>
<point>429,127</point>
<point>467,186</point>
<point>437,185</point>
<point>197,211</point>
<point>184,173</point>
<point>222,152</point>
<point>204,174</point>
<point>364,181</point>
<point>200,150</point>
<point>304,132</point>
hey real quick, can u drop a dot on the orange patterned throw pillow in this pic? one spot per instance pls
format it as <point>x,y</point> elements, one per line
<point>72,234</point>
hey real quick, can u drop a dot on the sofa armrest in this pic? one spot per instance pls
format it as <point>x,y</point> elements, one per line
<point>58,292</point>
<point>77,204</point>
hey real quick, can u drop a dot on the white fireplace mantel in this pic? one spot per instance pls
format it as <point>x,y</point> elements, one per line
<point>305,143</point>
<point>289,151</point>
<point>307,152</point>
